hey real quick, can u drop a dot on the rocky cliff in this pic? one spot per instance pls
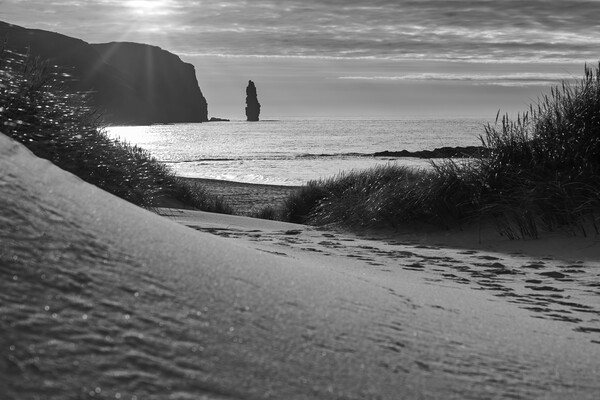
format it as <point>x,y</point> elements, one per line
<point>130,83</point>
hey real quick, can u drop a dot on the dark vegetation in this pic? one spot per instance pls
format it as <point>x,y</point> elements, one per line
<point>440,152</point>
<point>540,172</point>
<point>38,110</point>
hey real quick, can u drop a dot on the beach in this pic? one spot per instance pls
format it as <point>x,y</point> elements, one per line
<point>101,298</point>
<point>390,214</point>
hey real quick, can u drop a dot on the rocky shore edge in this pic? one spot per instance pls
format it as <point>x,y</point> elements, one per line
<point>440,152</point>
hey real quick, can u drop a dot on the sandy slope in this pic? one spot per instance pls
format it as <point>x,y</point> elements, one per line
<point>99,298</point>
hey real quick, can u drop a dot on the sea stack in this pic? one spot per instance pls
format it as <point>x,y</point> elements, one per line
<point>252,104</point>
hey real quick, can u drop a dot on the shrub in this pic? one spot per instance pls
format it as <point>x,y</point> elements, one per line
<point>543,170</point>
<point>36,110</point>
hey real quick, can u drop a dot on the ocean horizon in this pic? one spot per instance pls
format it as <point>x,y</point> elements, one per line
<point>294,151</point>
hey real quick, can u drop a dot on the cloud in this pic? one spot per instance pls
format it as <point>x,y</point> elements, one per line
<point>458,30</point>
<point>512,79</point>
<point>505,31</point>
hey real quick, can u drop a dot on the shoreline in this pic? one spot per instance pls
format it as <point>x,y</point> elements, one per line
<point>245,198</point>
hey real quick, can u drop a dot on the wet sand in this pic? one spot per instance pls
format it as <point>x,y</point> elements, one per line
<point>246,198</point>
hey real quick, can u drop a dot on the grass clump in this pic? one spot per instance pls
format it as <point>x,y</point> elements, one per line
<point>268,212</point>
<point>540,172</point>
<point>58,125</point>
<point>383,195</point>
<point>543,171</point>
<point>193,193</point>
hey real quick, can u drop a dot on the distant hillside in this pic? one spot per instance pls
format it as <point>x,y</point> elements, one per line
<point>132,83</point>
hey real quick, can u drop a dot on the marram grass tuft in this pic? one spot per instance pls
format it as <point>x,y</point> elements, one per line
<point>58,125</point>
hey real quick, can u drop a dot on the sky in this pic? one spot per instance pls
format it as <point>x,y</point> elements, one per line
<point>392,59</point>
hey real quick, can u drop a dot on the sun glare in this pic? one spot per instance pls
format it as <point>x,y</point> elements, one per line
<point>148,7</point>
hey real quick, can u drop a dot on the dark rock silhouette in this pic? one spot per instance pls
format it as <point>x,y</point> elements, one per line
<point>167,84</point>
<point>130,83</point>
<point>252,104</point>
<point>440,152</point>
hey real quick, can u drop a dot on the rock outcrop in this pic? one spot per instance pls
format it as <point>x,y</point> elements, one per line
<point>252,104</point>
<point>440,152</point>
<point>130,83</point>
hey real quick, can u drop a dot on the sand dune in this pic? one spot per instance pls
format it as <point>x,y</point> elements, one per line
<point>100,298</point>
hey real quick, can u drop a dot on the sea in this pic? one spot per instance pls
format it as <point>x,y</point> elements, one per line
<point>292,152</point>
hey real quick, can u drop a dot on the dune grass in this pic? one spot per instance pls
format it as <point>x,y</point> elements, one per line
<point>540,172</point>
<point>55,124</point>
<point>391,194</point>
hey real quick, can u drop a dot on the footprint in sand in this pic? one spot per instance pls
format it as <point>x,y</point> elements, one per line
<point>330,244</point>
<point>534,281</point>
<point>456,278</point>
<point>573,269</point>
<point>421,246</point>
<point>586,329</point>
<point>534,266</point>
<point>376,264</point>
<point>414,267</point>
<point>312,249</point>
<point>501,269</point>
<point>554,274</point>
<point>544,288</point>
<point>277,253</point>
<point>490,258</point>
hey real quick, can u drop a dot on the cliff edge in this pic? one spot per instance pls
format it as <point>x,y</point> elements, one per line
<point>131,83</point>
